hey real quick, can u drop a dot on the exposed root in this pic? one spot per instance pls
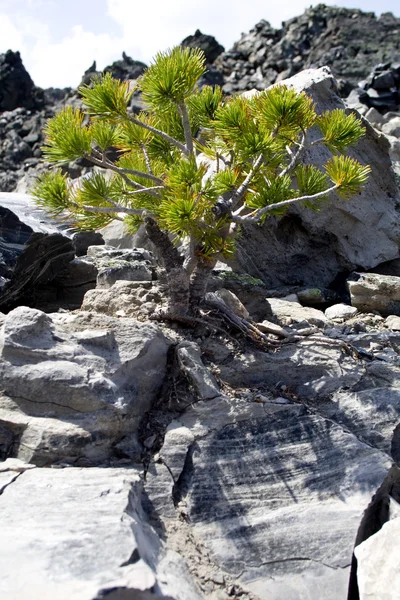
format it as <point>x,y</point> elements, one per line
<point>220,315</point>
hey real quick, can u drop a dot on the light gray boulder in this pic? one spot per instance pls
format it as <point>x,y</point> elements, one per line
<point>374,117</point>
<point>308,248</point>
<point>288,311</point>
<point>135,264</point>
<point>340,311</point>
<point>371,414</point>
<point>73,385</point>
<point>123,299</point>
<point>202,381</point>
<point>392,127</point>
<point>81,534</point>
<point>374,292</point>
<point>378,564</point>
<point>393,322</point>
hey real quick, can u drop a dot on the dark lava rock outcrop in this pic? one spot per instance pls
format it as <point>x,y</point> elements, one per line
<point>16,86</point>
<point>349,41</point>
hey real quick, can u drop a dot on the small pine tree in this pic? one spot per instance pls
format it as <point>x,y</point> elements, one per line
<point>163,176</point>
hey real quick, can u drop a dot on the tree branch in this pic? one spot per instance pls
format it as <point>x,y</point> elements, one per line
<point>146,158</point>
<point>147,190</point>
<point>162,134</point>
<point>112,209</point>
<point>295,157</point>
<point>242,189</point>
<point>262,211</point>
<point>107,164</point>
<point>186,128</point>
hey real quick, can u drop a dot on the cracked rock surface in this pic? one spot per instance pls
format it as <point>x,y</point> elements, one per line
<point>83,536</point>
<point>271,488</point>
<point>73,385</point>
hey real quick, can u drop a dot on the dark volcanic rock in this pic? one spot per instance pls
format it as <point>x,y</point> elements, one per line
<point>43,258</point>
<point>127,68</point>
<point>16,86</point>
<point>83,239</point>
<point>349,41</point>
<point>211,48</point>
<point>13,236</point>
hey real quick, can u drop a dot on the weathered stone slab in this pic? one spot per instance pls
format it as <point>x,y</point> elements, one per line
<point>378,561</point>
<point>81,534</point>
<point>370,291</point>
<point>287,311</point>
<point>275,492</point>
<point>74,385</point>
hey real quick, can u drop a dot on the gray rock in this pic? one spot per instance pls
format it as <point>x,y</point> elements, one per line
<point>74,385</point>
<point>393,322</point>
<point>288,311</point>
<point>83,239</point>
<point>121,264</point>
<point>310,370</point>
<point>122,270</point>
<point>371,414</point>
<point>340,311</point>
<point>84,536</point>
<point>392,127</point>
<point>374,292</point>
<point>123,299</point>
<point>374,117</point>
<point>378,563</point>
<point>394,150</point>
<point>203,382</point>
<point>254,483</point>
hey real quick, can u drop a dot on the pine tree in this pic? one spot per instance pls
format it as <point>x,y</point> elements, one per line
<point>193,166</point>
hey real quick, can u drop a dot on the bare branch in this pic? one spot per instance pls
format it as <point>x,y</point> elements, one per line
<point>242,189</point>
<point>147,190</point>
<point>186,128</point>
<point>262,211</point>
<point>162,134</point>
<point>295,157</point>
<point>146,158</point>
<point>107,164</point>
<point>112,209</point>
<point>318,141</point>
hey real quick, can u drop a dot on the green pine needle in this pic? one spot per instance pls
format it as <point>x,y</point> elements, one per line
<point>51,192</point>
<point>284,110</point>
<point>203,105</point>
<point>273,191</point>
<point>310,180</point>
<point>105,134</point>
<point>106,97</point>
<point>172,77</point>
<point>340,130</point>
<point>66,138</point>
<point>348,174</point>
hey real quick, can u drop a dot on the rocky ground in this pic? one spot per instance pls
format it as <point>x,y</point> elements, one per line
<point>141,459</point>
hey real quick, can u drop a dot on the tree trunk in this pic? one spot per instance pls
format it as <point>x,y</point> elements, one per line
<point>199,280</point>
<point>177,278</point>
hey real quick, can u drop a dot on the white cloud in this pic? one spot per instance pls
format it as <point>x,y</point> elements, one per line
<point>10,36</point>
<point>141,29</point>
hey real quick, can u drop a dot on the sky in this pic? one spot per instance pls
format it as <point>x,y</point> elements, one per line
<point>60,39</point>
